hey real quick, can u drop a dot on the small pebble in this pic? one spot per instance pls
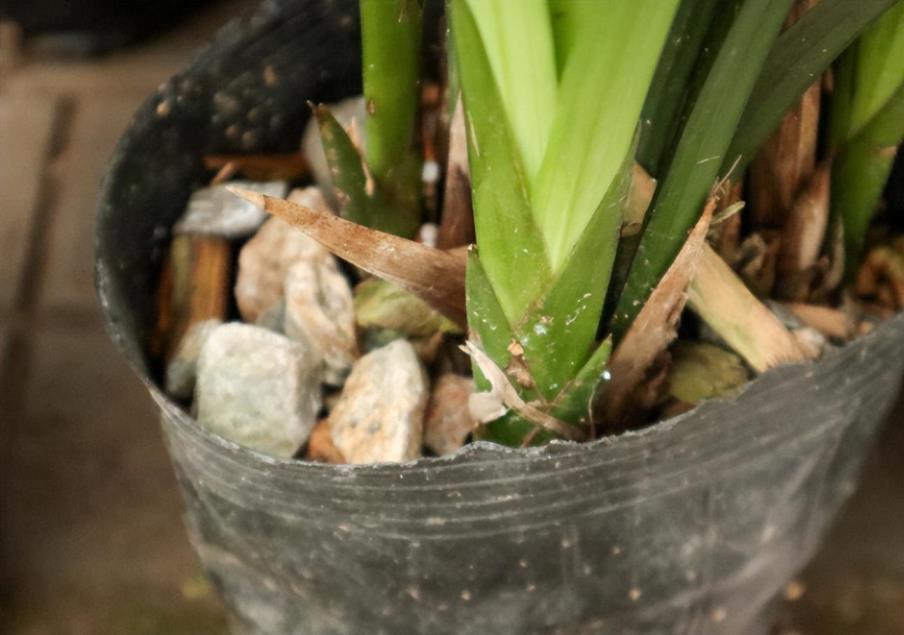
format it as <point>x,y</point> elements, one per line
<point>265,259</point>
<point>215,211</point>
<point>379,417</point>
<point>182,369</point>
<point>320,445</point>
<point>320,310</point>
<point>448,421</point>
<point>273,319</point>
<point>258,388</point>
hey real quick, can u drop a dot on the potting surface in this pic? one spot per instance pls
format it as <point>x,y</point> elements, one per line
<point>91,539</point>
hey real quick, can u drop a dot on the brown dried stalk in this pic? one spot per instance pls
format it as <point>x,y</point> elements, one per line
<point>727,306</point>
<point>654,328</point>
<point>639,196</point>
<point>787,159</point>
<point>436,276</point>
<point>289,166</point>
<point>456,226</point>
<point>194,287</point>
<point>830,322</point>
<point>803,236</point>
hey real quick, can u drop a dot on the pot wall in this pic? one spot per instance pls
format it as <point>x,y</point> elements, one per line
<point>690,526</point>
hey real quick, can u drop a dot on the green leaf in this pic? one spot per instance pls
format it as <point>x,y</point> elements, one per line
<point>558,336</point>
<point>859,174</point>
<point>669,85</point>
<point>575,400</point>
<point>877,68</point>
<point>612,61</point>
<point>486,319</point>
<point>359,205</point>
<point>700,150</point>
<point>519,49</point>
<point>390,38</point>
<point>511,249</point>
<point>799,56</point>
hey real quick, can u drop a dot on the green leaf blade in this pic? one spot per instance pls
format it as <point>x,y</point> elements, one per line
<point>603,88</point>
<point>512,251</point>
<point>519,49</point>
<point>700,151</point>
<point>813,43</point>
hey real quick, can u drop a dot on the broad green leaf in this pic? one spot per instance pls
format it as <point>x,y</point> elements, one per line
<point>391,38</point>
<point>669,85</point>
<point>519,48</point>
<point>799,55</point>
<point>603,87</point>
<point>567,18</point>
<point>511,249</point>
<point>559,334</point>
<point>700,151</point>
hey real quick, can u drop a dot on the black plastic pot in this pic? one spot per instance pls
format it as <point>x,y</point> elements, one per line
<point>690,526</point>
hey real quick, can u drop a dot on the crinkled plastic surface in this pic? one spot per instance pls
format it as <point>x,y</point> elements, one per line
<point>690,526</point>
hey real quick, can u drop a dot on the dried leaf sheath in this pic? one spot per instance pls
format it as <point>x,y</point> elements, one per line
<point>434,275</point>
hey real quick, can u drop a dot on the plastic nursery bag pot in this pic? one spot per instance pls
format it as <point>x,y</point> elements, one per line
<point>692,525</point>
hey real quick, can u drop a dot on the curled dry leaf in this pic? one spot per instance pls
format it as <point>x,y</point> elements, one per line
<point>457,225</point>
<point>434,275</point>
<point>487,406</point>
<point>654,327</point>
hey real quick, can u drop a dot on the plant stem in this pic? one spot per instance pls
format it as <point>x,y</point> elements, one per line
<point>391,38</point>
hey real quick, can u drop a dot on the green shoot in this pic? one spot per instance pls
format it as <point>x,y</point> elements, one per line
<point>867,125</point>
<point>391,40</point>
<point>546,239</point>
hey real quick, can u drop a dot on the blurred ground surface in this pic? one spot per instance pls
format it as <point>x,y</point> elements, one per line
<point>90,532</point>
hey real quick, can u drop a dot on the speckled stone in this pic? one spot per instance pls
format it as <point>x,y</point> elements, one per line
<point>379,417</point>
<point>182,369</point>
<point>215,211</point>
<point>265,259</point>
<point>258,388</point>
<point>448,421</point>
<point>320,310</point>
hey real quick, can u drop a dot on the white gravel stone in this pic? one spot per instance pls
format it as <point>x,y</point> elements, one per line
<point>258,388</point>
<point>182,369</point>
<point>265,259</point>
<point>215,211</point>
<point>379,417</point>
<point>320,310</point>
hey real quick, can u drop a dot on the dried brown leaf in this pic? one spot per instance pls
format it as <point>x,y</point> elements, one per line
<point>654,327</point>
<point>456,226</point>
<point>434,275</point>
<point>786,161</point>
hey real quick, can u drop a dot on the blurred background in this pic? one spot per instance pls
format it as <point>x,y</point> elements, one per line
<point>91,540</point>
